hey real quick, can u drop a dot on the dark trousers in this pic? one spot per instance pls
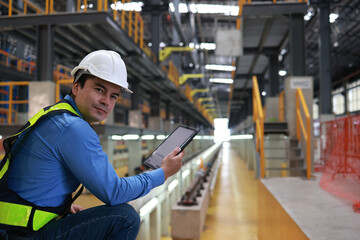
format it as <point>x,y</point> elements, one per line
<point>102,222</point>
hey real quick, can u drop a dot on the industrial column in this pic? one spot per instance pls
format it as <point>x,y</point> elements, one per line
<point>325,102</point>
<point>42,92</point>
<point>297,45</point>
<point>272,100</point>
<point>155,27</point>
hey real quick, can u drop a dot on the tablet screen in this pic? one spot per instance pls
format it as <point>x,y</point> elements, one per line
<point>180,137</point>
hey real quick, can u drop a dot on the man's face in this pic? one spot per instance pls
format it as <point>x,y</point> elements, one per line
<point>96,99</point>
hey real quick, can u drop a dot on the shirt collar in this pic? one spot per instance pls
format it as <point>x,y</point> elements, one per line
<point>73,104</point>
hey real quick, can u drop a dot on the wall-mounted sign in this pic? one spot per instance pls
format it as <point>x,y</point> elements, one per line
<point>303,83</point>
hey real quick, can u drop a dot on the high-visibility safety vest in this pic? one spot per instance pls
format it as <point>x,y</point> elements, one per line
<point>15,212</point>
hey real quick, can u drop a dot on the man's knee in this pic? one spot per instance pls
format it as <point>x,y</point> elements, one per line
<point>128,212</point>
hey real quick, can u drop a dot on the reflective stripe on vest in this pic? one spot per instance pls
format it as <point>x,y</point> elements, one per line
<point>19,215</point>
<point>5,168</point>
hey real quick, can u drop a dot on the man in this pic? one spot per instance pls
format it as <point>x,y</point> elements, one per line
<point>59,150</point>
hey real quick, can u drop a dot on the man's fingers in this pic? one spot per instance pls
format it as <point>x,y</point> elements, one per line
<point>175,151</point>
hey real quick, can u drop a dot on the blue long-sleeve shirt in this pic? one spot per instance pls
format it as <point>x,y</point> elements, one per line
<point>62,151</point>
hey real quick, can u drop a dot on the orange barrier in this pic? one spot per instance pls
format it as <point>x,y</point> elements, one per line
<point>341,157</point>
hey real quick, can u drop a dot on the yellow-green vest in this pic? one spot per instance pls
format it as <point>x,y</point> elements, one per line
<point>15,212</point>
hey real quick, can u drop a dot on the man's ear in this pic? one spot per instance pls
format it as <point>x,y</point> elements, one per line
<point>75,88</point>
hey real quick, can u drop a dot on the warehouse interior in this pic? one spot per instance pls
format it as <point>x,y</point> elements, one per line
<point>284,74</point>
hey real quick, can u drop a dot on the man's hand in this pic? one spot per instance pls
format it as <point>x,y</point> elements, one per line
<point>75,208</point>
<point>172,162</point>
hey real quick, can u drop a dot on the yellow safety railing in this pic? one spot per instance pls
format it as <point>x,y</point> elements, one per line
<point>131,21</point>
<point>60,82</point>
<point>173,74</point>
<point>11,101</point>
<point>145,108</point>
<point>258,118</point>
<point>282,107</point>
<point>28,5</point>
<point>300,128</point>
<point>62,72</point>
<point>12,61</point>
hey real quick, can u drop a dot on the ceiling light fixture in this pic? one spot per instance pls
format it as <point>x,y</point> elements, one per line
<point>215,67</point>
<point>222,80</point>
<point>129,6</point>
<point>333,17</point>
<point>229,10</point>
<point>282,73</point>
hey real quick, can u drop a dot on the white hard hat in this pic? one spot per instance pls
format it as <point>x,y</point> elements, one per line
<point>106,65</point>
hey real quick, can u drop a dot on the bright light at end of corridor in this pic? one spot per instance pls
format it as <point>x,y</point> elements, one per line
<point>222,132</point>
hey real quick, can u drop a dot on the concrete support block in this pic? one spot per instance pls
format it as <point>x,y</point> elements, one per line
<point>291,84</point>
<point>134,152</point>
<point>272,109</point>
<point>41,94</point>
<point>156,123</point>
<point>188,222</point>
<point>135,118</point>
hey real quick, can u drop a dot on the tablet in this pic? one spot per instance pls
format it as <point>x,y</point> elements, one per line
<point>180,137</point>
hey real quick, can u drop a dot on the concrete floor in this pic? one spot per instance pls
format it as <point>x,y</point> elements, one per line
<point>232,213</point>
<point>320,215</point>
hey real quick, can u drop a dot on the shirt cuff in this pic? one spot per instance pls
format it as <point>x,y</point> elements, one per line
<point>158,177</point>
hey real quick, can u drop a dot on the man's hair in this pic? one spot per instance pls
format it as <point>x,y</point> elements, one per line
<point>82,80</point>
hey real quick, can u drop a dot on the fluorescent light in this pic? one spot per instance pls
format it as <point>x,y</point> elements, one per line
<point>172,185</point>
<point>242,136</point>
<point>222,80</point>
<point>129,6</point>
<point>198,162</point>
<point>147,137</point>
<point>130,137</point>
<point>333,17</point>
<point>196,137</point>
<point>185,173</point>
<point>116,137</point>
<point>231,10</point>
<point>220,67</point>
<point>282,73</point>
<point>148,207</point>
<point>160,137</point>
<point>203,46</point>
<point>208,46</point>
